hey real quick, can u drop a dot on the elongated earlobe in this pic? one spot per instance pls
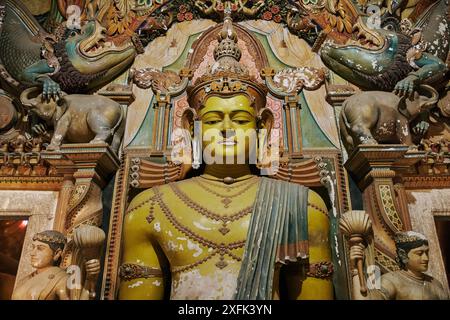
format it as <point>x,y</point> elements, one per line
<point>189,121</point>
<point>265,120</point>
<point>265,124</point>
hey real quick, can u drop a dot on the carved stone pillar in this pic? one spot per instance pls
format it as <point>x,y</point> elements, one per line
<point>90,166</point>
<point>375,168</point>
<point>63,203</point>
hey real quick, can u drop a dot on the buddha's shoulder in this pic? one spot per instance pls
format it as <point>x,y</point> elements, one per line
<point>139,208</point>
<point>150,194</point>
<point>315,199</point>
<point>141,198</point>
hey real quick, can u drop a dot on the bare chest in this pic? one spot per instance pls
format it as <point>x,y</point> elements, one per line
<point>195,228</point>
<point>33,288</point>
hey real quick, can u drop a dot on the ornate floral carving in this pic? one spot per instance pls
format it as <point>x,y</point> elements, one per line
<point>385,261</point>
<point>292,81</point>
<point>21,156</point>
<point>78,194</point>
<point>159,81</point>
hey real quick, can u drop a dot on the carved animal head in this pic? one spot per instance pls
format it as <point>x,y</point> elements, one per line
<point>45,109</point>
<point>424,99</point>
<point>444,104</point>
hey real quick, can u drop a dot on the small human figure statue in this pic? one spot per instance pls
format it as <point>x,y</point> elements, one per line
<point>408,283</point>
<point>49,281</point>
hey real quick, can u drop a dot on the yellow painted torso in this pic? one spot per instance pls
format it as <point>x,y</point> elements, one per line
<point>197,246</point>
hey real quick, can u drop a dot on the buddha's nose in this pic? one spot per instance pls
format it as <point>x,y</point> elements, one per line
<point>227,128</point>
<point>227,133</point>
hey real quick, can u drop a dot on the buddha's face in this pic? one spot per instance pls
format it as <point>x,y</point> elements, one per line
<point>42,255</point>
<point>227,124</point>
<point>418,259</point>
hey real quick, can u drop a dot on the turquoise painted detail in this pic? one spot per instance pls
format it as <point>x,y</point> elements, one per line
<point>169,135</point>
<point>295,133</point>
<point>313,136</point>
<point>274,62</point>
<point>285,140</point>
<point>180,62</point>
<point>144,135</point>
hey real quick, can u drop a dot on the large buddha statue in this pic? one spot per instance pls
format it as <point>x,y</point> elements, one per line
<point>227,233</point>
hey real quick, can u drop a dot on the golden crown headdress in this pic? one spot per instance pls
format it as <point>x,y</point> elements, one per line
<point>50,236</point>
<point>407,237</point>
<point>227,76</point>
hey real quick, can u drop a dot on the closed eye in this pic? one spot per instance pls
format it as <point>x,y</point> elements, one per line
<point>211,122</point>
<point>241,121</point>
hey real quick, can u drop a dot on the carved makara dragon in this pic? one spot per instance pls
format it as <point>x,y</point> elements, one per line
<point>387,60</point>
<point>71,60</point>
<point>375,59</point>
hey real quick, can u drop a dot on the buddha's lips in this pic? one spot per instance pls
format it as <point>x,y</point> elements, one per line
<point>227,142</point>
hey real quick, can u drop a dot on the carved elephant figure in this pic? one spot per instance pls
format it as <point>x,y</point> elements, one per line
<point>78,118</point>
<point>374,117</point>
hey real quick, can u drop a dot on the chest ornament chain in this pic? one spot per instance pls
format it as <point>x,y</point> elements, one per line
<point>225,219</point>
<point>222,249</point>
<point>226,196</point>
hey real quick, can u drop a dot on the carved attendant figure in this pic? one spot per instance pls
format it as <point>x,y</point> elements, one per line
<point>411,282</point>
<point>49,281</point>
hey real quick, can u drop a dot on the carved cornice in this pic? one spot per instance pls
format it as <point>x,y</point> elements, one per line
<point>426,182</point>
<point>307,172</point>
<point>426,170</point>
<point>87,160</point>
<point>31,183</point>
<point>377,161</point>
<point>20,156</point>
<point>145,173</point>
<point>120,93</point>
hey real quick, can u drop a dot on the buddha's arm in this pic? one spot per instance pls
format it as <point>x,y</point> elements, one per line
<point>319,251</point>
<point>139,252</point>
